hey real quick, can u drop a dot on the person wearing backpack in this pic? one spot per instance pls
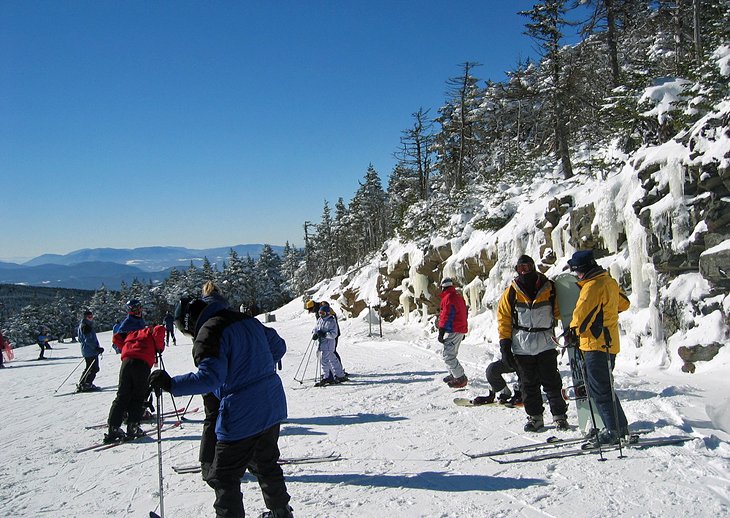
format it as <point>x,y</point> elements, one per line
<point>526,317</point>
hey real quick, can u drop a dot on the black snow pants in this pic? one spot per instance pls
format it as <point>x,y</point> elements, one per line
<point>259,454</point>
<point>132,392</point>
<point>534,371</point>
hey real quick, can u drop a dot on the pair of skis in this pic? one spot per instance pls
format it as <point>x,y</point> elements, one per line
<point>107,445</point>
<point>195,468</point>
<point>541,452</point>
<point>174,413</point>
<point>462,401</point>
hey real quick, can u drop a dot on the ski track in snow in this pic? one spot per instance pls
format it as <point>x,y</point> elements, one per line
<point>400,436</point>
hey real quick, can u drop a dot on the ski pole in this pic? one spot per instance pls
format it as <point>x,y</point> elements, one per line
<point>590,401</point>
<point>158,393</point>
<point>174,405</point>
<point>319,373</point>
<point>307,355</point>
<point>67,377</point>
<point>613,394</point>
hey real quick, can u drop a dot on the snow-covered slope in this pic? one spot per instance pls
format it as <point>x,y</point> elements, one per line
<point>400,436</point>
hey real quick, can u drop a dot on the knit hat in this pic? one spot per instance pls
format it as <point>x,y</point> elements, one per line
<point>582,261</point>
<point>446,282</point>
<point>525,259</point>
<point>88,313</point>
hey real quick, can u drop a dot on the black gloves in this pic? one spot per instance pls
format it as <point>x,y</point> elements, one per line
<point>442,332</point>
<point>160,380</point>
<point>570,338</point>
<point>315,336</point>
<point>100,350</point>
<point>505,346</point>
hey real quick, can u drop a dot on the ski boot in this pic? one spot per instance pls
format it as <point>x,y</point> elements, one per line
<point>448,378</point>
<point>534,423</point>
<point>134,431</point>
<point>114,435</point>
<point>505,396</point>
<point>282,512</point>
<point>325,381</point>
<point>484,400</point>
<point>459,382</point>
<point>561,422</point>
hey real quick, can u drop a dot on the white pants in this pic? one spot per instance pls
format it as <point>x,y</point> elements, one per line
<point>452,341</point>
<point>331,366</point>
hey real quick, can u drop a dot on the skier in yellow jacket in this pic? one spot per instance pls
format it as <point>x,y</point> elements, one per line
<point>526,318</point>
<point>595,323</point>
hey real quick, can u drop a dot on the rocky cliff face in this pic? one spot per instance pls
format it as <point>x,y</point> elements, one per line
<point>662,214</point>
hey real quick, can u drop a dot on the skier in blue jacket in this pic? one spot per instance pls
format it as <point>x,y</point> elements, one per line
<point>236,359</point>
<point>90,350</point>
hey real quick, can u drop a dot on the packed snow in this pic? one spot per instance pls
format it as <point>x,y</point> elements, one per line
<point>400,437</point>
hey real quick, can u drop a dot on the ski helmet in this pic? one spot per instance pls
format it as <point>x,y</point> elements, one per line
<point>187,313</point>
<point>134,306</point>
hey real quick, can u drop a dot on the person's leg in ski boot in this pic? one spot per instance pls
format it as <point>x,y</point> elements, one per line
<point>119,406</point>
<point>531,395</point>
<point>265,467</point>
<point>599,385</point>
<point>139,373</point>
<point>451,344</point>
<point>208,439</point>
<point>229,466</point>
<point>552,384</point>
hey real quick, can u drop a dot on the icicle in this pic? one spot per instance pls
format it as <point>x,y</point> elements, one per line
<point>607,221</point>
<point>405,300</point>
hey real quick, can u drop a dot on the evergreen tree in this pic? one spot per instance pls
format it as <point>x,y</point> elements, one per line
<point>456,142</point>
<point>269,282</point>
<point>547,20</point>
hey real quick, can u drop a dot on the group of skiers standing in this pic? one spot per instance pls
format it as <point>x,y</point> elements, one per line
<point>526,317</point>
<point>236,357</point>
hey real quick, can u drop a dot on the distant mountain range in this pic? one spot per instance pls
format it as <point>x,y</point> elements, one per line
<point>91,267</point>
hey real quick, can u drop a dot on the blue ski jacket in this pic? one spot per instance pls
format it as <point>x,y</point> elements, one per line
<point>236,357</point>
<point>87,338</point>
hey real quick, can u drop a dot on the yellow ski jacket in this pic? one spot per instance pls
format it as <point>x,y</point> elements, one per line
<point>595,318</point>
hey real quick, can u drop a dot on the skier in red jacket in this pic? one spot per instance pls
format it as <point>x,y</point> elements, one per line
<point>139,354</point>
<point>452,329</point>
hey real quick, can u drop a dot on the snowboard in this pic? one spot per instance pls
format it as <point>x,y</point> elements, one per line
<point>567,293</point>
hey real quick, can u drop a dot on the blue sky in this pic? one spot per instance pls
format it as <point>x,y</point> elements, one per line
<point>201,124</point>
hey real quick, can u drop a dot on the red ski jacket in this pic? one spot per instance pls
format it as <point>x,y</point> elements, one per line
<point>452,318</point>
<point>144,344</point>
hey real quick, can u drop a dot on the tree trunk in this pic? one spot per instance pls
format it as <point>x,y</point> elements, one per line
<point>611,41</point>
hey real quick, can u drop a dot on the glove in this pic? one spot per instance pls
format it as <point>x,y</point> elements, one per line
<point>442,332</point>
<point>315,336</point>
<point>160,380</point>
<point>570,338</point>
<point>508,357</point>
<point>100,350</point>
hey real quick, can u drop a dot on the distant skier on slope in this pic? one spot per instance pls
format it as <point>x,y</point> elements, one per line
<point>526,317</point>
<point>325,332</point>
<point>313,307</point>
<point>452,329</point>
<point>43,342</point>
<point>169,321</point>
<point>236,358</point>
<point>90,350</point>
<point>595,323</point>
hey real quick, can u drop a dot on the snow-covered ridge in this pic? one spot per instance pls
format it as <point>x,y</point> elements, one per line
<point>658,222</point>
